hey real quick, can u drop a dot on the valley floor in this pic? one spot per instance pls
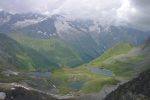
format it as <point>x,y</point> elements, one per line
<point>93,80</point>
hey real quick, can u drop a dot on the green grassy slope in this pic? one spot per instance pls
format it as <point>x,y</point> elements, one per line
<point>91,82</point>
<point>120,48</point>
<point>13,53</point>
<point>54,49</point>
<point>124,60</point>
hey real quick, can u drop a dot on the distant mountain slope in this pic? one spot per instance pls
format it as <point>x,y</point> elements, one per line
<point>137,89</point>
<point>53,49</point>
<point>12,53</point>
<point>87,37</point>
<point>11,22</point>
<point>120,48</point>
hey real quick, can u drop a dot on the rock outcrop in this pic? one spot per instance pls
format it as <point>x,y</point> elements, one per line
<point>137,89</point>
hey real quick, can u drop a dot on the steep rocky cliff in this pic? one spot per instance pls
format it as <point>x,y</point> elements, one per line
<point>137,89</point>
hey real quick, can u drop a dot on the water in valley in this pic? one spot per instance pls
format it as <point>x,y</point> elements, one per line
<point>42,74</point>
<point>77,85</point>
<point>101,71</point>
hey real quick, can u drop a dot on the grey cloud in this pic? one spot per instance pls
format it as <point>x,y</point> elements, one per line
<point>142,5</point>
<point>142,17</point>
<point>136,13</point>
<point>133,12</point>
<point>23,6</point>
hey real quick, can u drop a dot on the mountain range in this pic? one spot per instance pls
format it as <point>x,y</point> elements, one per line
<point>83,39</point>
<point>70,59</point>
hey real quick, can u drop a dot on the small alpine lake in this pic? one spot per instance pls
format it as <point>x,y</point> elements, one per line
<point>76,85</point>
<point>101,71</point>
<point>42,74</point>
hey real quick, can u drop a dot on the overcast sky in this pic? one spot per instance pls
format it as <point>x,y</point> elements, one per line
<point>135,12</point>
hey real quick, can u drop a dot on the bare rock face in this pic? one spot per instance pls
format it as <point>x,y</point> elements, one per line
<point>137,89</point>
<point>11,92</point>
<point>2,95</point>
<point>20,93</point>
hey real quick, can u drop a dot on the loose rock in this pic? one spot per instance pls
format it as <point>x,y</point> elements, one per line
<point>2,95</point>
